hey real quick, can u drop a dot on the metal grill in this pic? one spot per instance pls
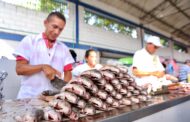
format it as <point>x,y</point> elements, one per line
<point>3,75</point>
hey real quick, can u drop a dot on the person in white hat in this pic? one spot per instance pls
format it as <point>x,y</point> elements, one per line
<point>147,67</point>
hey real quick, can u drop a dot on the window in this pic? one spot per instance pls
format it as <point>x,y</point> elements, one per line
<point>42,5</point>
<point>163,41</point>
<point>180,48</point>
<point>108,24</point>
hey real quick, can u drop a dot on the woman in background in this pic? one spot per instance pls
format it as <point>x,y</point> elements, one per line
<point>91,63</point>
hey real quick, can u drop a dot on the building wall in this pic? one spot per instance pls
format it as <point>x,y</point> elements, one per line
<point>19,20</point>
<point>99,37</point>
<point>130,44</point>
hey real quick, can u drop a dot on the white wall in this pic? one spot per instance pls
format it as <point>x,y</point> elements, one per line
<point>112,10</point>
<point>96,36</point>
<point>20,20</point>
<point>127,16</point>
<point>127,44</point>
<point>181,56</point>
<point>7,47</point>
<point>23,21</point>
<point>165,52</point>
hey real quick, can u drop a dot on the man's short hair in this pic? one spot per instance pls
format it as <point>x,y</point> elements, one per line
<point>87,53</point>
<point>57,14</point>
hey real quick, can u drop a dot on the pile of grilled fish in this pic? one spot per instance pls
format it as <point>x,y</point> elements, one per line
<point>95,90</point>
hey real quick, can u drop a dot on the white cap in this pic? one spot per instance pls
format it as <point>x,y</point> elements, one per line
<point>154,40</point>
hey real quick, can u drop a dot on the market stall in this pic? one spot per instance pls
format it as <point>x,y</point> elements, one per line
<point>108,94</point>
<point>12,108</point>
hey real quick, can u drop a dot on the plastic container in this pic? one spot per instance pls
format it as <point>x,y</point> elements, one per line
<point>188,77</point>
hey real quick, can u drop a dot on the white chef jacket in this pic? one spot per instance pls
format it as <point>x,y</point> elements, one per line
<point>144,61</point>
<point>34,50</point>
<point>83,67</point>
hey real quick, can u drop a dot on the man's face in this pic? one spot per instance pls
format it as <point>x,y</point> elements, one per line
<point>151,48</point>
<point>53,27</point>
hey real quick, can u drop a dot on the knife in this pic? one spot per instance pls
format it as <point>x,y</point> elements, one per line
<point>58,83</point>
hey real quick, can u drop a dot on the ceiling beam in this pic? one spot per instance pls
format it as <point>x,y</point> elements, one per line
<point>179,9</point>
<point>150,14</point>
<point>182,27</point>
<point>154,9</point>
<point>171,14</point>
<point>156,18</point>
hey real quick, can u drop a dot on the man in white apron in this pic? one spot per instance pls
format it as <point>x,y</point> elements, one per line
<point>40,58</point>
<point>146,66</point>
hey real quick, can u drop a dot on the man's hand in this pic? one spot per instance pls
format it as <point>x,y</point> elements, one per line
<point>158,74</point>
<point>23,68</point>
<point>139,73</point>
<point>50,72</point>
<point>67,76</point>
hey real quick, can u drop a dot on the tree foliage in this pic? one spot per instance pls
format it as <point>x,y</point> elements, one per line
<point>180,48</point>
<point>108,24</point>
<point>52,5</point>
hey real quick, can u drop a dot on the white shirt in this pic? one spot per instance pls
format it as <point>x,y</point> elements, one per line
<point>144,61</point>
<point>33,49</point>
<point>83,67</point>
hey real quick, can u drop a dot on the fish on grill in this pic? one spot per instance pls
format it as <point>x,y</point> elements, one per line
<point>92,74</point>
<point>67,96</point>
<point>51,115</point>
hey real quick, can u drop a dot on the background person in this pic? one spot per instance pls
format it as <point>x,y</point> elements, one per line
<point>91,63</point>
<point>147,67</point>
<point>184,71</point>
